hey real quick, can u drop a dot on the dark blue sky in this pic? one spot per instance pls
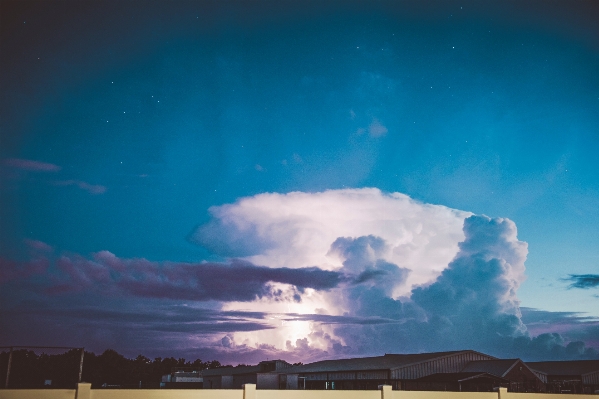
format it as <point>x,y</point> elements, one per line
<point>121,125</point>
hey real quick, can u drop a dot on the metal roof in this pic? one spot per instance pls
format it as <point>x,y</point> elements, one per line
<point>570,367</point>
<point>386,362</point>
<point>499,367</point>
<point>231,370</point>
<point>459,377</point>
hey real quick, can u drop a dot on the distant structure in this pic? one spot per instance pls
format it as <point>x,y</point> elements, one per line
<point>235,377</point>
<point>184,378</point>
<point>577,376</point>
<point>401,371</point>
<point>459,371</point>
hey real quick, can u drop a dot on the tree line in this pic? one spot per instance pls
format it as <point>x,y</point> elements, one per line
<point>31,370</point>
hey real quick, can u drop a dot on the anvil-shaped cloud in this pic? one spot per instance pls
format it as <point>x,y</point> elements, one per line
<point>298,229</point>
<point>440,278</point>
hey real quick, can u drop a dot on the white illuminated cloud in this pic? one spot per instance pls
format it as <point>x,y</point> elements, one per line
<point>297,230</point>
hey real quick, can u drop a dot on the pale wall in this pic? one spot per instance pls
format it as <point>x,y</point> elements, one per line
<point>250,392</point>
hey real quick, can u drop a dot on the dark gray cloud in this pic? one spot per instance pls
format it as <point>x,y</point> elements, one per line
<point>363,258</point>
<point>583,280</point>
<point>330,319</point>
<point>236,280</point>
<point>138,326</point>
<point>531,316</point>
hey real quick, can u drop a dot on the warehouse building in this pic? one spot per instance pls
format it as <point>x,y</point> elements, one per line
<point>457,382</point>
<point>578,376</point>
<point>520,377</point>
<point>464,371</point>
<point>396,370</point>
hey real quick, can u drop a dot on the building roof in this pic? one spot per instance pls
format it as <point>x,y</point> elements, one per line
<point>571,367</point>
<point>260,368</point>
<point>386,362</point>
<point>459,377</point>
<point>231,370</point>
<point>498,367</point>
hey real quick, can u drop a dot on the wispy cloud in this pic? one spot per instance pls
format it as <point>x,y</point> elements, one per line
<point>37,166</point>
<point>583,280</point>
<point>91,188</point>
<point>377,129</point>
<point>30,165</point>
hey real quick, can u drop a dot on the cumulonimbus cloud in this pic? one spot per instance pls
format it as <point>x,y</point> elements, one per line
<point>448,279</point>
<point>342,273</point>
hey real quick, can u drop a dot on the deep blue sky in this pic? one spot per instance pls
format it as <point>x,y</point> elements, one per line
<point>121,124</point>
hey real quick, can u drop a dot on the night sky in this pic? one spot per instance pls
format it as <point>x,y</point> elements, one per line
<point>300,180</point>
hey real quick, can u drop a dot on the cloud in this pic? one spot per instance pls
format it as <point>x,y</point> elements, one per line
<point>91,188</point>
<point>37,166</point>
<point>467,298</point>
<point>11,270</point>
<point>342,273</point>
<point>297,229</point>
<point>30,165</point>
<point>583,280</point>
<point>36,245</point>
<point>470,303</point>
<point>234,281</point>
<point>478,289</point>
<point>389,243</point>
<point>377,129</point>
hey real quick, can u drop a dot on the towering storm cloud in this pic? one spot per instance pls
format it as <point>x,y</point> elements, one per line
<point>436,278</point>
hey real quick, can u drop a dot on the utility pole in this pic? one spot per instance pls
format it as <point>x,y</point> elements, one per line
<point>80,364</point>
<point>8,368</point>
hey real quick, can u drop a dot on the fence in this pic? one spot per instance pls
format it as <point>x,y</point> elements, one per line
<point>249,391</point>
<point>57,366</point>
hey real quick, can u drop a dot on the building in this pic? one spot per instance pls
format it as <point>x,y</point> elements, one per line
<point>459,371</point>
<point>577,376</point>
<point>369,372</point>
<point>235,377</point>
<point>457,382</point>
<point>182,378</point>
<point>520,377</point>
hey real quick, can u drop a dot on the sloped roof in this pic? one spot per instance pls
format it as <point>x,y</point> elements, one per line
<point>570,367</point>
<point>498,367</point>
<point>386,362</point>
<point>231,370</point>
<point>459,377</point>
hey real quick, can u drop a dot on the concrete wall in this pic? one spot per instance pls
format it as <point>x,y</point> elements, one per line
<point>37,393</point>
<point>250,392</point>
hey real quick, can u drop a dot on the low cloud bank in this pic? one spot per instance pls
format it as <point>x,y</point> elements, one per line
<point>108,274</point>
